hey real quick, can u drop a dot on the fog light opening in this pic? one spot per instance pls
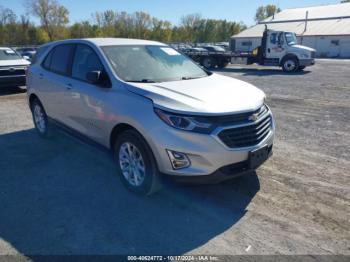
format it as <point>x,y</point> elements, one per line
<point>178,160</point>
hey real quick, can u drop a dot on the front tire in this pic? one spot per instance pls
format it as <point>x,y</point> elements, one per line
<point>40,119</point>
<point>136,164</point>
<point>290,64</point>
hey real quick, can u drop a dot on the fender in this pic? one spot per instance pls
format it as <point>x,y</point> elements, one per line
<point>289,55</point>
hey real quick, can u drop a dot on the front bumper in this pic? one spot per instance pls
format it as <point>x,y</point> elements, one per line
<point>220,175</point>
<point>306,62</point>
<point>207,154</point>
<point>16,80</point>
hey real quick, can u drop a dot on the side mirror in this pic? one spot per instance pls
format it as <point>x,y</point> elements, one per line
<point>26,57</point>
<point>97,78</point>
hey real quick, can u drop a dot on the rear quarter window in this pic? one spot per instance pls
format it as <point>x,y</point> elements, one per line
<point>39,53</point>
<point>47,61</point>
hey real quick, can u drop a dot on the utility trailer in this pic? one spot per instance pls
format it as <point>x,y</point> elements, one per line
<point>278,48</point>
<point>210,59</point>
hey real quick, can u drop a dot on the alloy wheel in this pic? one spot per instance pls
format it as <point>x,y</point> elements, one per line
<point>39,118</point>
<point>132,164</point>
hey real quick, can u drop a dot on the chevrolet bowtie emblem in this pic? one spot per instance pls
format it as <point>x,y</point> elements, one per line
<point>253,117</point>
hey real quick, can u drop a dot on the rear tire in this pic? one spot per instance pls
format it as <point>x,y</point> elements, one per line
<point>290,64</point>
<point>222,64</point>
<point>136,164</point>
<point>40,119</point>
<point>208,62</point>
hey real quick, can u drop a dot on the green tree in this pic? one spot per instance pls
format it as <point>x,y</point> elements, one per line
<point>53,17</point>
<point>263,12</point>
<point>142,24</point>
<point>84,29</point>
<point>161,30</point>
<point>189,25</point>
<point>206,30</point>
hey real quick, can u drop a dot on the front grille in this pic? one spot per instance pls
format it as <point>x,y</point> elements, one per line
<point>247,135</point>
<point>12,72</point>
<point>313,54</point>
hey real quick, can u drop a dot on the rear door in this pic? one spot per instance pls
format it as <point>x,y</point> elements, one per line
<point>53,81</point>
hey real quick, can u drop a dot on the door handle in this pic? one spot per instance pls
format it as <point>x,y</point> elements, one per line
<point>69,86</point>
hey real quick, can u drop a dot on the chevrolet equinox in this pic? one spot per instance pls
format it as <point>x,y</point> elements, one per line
<point>154,108</point>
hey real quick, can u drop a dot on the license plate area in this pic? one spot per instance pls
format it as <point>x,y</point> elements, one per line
<point>258,157</point>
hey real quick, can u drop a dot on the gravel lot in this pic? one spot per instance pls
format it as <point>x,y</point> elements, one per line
<point>63,197</point>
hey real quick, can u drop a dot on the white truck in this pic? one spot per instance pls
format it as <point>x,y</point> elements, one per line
<point>278,48</point>
<point>12,68</point>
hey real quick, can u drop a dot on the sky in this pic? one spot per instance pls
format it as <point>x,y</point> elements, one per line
<point>172,10</point>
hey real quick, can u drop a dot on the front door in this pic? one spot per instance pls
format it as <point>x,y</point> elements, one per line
<point>274,45</point>
<point>86,100</point>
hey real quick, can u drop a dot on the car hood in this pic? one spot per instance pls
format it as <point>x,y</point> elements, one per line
<point>16,62</point>
<point>215,94</point>
<point>304,48</point>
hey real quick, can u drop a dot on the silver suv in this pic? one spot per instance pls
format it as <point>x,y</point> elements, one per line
<point>154,108</point>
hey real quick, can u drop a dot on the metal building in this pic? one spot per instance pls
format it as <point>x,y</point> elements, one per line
<point>325,28</point>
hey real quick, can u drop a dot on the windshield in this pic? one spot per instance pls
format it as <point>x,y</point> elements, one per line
<point>9,54</point>
<point>146,63</point>
<point>291,38</point>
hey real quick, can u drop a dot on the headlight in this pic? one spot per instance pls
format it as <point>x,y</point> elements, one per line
<point>184,122</point>
<point>304,55</point>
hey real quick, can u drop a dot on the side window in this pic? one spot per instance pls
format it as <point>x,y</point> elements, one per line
<point>47,61</point>
<point>273,38</point>
<point>60,59</point>
<point>281,38</point>
<point>85,60</point>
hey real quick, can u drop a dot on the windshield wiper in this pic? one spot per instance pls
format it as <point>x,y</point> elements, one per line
<point>190,77</point>
<point>141,81</point>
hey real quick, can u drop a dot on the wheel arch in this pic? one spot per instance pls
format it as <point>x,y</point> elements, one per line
<point>117,130</point>
<point>289,55</point>
<point>120,128</point>
<point>33,97</point>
